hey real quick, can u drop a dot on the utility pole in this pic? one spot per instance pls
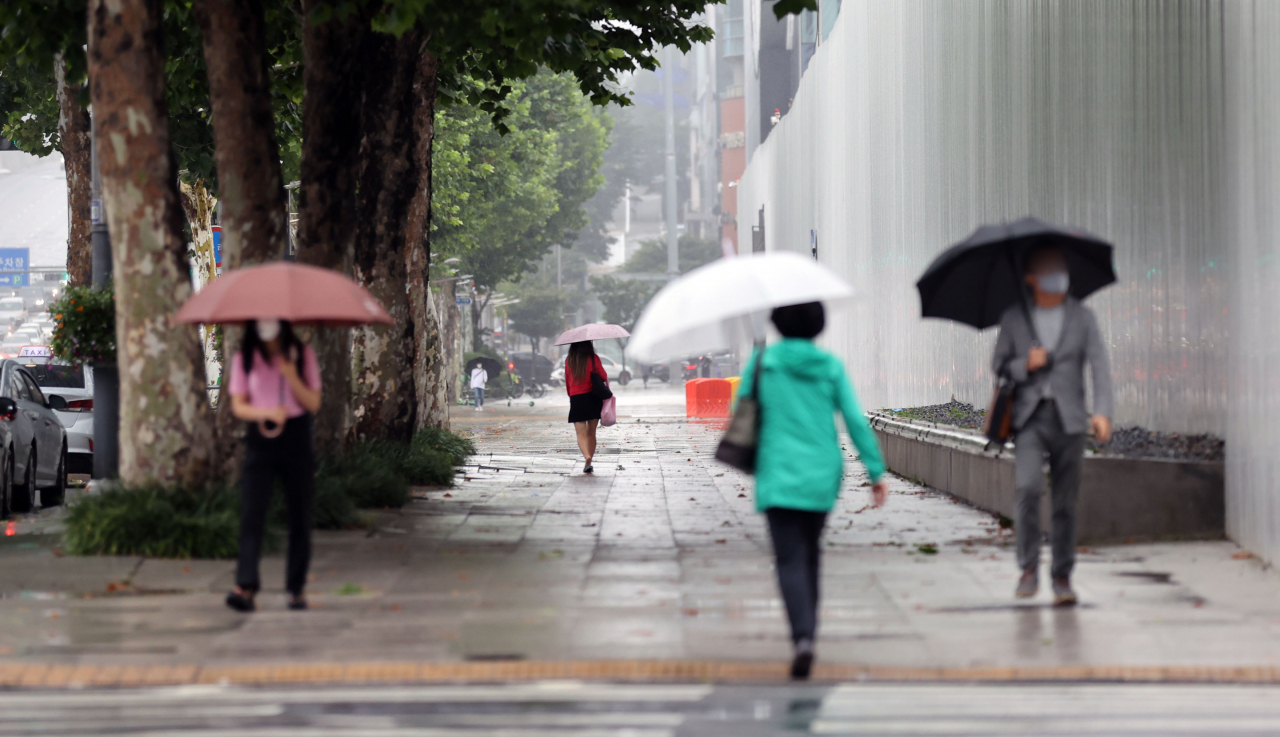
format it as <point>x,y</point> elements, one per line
<point>673,237</point>
<point>558,285</point>
<point>669,102</point>
<point>106,379</point>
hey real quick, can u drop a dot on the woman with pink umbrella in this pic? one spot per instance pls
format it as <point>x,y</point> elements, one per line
<point>587,383</point>
<point>275,387</point>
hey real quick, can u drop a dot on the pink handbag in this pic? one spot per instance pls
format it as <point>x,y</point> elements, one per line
<point>609,412</point>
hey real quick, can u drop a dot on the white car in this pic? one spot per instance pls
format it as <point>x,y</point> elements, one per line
<point>74,385</point>
<point>612,369</point>
<point>12,311</point>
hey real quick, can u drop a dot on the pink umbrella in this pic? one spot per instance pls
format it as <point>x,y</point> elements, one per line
<point>286,291</point>
<point>593,331</point>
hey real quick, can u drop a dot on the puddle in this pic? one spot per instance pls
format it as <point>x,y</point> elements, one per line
<point>35,595</point>
<point>1152,576</point>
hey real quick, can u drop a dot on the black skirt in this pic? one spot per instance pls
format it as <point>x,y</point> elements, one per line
<point>584,407</point>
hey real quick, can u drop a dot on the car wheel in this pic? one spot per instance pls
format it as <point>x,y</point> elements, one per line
<point>54,495</point>
<point>25,494</point>
<point>624,378</point>
<point>6,485</point>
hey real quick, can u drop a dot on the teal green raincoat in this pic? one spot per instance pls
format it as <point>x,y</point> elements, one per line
<point>799,464</point>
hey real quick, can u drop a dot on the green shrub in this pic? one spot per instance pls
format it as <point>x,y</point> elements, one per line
<point>85,331</point>
<point>156,522</point>
<point>332,508</point>
<point>452,444</point>
<point>370,475</point>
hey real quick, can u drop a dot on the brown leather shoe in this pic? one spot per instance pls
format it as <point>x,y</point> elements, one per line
<point>1028,585</point>
<point>1062,593</point>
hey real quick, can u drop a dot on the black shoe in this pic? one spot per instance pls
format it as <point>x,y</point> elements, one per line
<point>588,468</point>
<point>802,664</point>
<point>240,602</point>
<point>297,603</point>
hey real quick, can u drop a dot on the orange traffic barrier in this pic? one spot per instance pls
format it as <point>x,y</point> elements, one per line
<point>691,397</point>
<point>734,383</point>
<point>708,398</point>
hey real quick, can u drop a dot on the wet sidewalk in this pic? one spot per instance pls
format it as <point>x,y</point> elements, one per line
<point>658,556</point>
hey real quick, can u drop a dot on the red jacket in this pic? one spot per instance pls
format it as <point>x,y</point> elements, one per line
<point>583,386</point>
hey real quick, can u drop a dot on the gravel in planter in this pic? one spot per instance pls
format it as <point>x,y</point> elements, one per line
<point>1126,442</point>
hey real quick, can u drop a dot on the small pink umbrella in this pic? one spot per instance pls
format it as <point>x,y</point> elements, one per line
<point>301,294</point>
<point>594,331</point>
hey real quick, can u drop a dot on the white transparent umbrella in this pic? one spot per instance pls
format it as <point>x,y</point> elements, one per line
<point>717,306</point>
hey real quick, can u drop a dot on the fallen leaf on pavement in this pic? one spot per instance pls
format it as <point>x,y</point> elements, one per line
<point>1242,555</point>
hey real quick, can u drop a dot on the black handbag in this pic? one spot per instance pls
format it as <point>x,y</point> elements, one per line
<point>998,427</point>
<point>599,389</point>
<point>741,441</point>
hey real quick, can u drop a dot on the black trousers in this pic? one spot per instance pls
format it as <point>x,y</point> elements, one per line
<point>795,536</point>
<point>291,458</point>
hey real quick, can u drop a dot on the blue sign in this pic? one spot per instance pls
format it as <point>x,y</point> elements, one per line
<point>14,263</point>
<point>462,300</point>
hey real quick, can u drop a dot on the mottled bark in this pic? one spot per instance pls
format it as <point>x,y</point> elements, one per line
<point>254,223</point>
<point>77,153</point>
<point>250,184</point>
<point>326,218</point>
<point>384,400</point>
<point>165,428</point>
<point>428,358</point>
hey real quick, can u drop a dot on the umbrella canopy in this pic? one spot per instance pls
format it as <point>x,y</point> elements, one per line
<point>976,280</point>
<point>491,366</point>
<point>594,331</point>
<point>284,290</point>
<point>712,306</point>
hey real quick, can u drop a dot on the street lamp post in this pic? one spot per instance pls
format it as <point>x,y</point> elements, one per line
<point>106,379</point>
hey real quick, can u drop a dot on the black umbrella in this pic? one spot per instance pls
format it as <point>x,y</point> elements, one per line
<point>492,366</point>
<point>976,280</point>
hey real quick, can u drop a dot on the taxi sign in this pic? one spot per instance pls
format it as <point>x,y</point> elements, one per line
<point>35,351</point>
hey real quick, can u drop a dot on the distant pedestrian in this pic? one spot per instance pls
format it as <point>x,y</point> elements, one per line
<point>479,377</point>
<point>1043,347</point>
<point>585,406</point>
<point>645,371</point>
<point>275,387</point>
<point>799,462</point>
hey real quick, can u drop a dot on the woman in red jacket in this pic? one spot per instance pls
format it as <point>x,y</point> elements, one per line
<point>584,408</point>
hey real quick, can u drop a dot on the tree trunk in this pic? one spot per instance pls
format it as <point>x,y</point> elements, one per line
<point>250,185</point>
<point>326,205</point>
<point>165,428</point>
<point>429,353</point>
<point>198,206</point>
<point>383,360</point>
<point>74,130</point>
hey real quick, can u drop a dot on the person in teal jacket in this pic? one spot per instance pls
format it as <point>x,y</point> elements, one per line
<point>799,464</point>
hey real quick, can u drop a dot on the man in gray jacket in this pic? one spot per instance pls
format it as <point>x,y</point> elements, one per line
<point>1043,347</point>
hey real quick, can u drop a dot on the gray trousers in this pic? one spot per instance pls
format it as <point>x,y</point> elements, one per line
<point>1043,436</point>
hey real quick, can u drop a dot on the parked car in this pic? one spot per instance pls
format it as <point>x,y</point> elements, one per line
<point>33,442</point>
<point>12,311</point>
<point>659,371</point>
<point>614,370</point>
<point>525,362</point>
<point>75,385</point>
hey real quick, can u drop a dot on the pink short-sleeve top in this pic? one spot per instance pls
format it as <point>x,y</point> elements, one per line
<point>264,384</point>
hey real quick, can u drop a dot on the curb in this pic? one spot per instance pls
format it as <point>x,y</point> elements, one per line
<point>44,676</point>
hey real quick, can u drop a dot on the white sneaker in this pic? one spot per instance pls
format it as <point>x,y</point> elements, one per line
<point>479,409</point>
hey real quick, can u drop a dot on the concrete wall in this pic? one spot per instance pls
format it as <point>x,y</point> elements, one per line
<point>1251,210</point>
<point>918,120</point>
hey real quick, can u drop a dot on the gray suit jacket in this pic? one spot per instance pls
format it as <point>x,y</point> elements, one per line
<point>1079,343</point>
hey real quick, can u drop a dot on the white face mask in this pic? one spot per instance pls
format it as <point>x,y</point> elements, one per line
<point>1055,282</point>
<point>268,329</point>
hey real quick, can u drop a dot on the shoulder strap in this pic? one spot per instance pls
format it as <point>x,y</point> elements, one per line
<point>755,374</point>
<point>1031,324</point>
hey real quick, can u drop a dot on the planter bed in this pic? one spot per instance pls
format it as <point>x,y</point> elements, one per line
<point>1121,499</point>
